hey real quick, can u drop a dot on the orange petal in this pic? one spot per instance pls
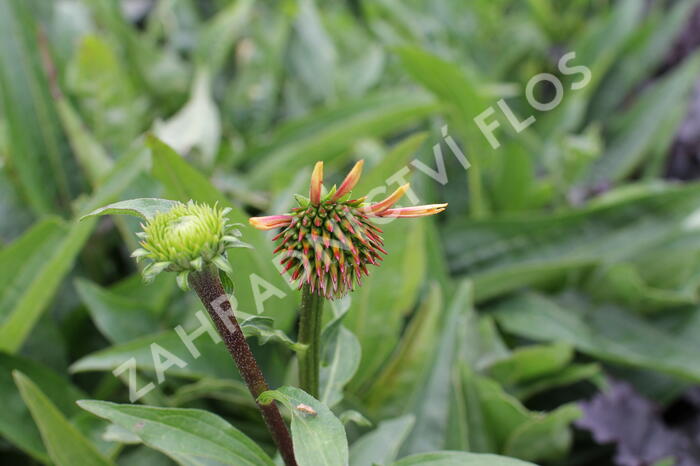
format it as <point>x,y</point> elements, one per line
<point>417,211</point>
<point>316,184</point>
<point>271,222</point>
<point>350,181</point>
<point>381,206</point>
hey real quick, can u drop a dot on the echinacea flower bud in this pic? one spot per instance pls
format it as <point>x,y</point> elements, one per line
<point>329,241</point>
<point>191,239</point>
<point>187,238</point>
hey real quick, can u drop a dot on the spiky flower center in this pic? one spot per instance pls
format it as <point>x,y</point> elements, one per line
<point>328,246</point>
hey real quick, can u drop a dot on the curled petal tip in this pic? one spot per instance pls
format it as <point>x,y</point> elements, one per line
<point>381,206</point>
<point>416,211</point>
<point>350,181</point>
<point>271,222</point>
<point>316,184</point>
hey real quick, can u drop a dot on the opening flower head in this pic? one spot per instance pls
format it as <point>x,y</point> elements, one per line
<point>329,240</point>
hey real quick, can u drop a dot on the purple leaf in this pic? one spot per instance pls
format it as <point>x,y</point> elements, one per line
<point>622,416</point>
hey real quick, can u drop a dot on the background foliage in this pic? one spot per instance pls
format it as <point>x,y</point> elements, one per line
<point>567,264</point>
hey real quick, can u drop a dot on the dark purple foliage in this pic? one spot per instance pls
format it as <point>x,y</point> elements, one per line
<point>622,416</point>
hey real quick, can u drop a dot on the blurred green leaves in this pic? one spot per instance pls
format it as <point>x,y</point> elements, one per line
<point>563,253</point>
<point>37,149</point>
<point>605,332</point>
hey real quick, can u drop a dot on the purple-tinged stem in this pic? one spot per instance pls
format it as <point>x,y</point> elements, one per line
<point>208,287</point>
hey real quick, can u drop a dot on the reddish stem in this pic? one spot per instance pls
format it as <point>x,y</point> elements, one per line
<point>211,292</point>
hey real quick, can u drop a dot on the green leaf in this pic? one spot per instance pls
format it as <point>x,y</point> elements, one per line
<point>157,70</point>
<point>644,54</point>
<point>16,424</point>
<point>36,149</point>
<point>126,170</point>
<point>11,206</point>
<point>599,47</point>
<point>395,286</point>
<point>65,444</point>
<point>515,185</point>
<point>382,445</point>
<point>319,439</point>
<point>346,417</point>
<point>604,332</point>
<point>454,458</point>
<point>495,420</point>
<point>432,402</point>
<point>21,310</point>
<point>191,437</point>
<point>109,102</point>
<point>91,156</point>
<point>654,280</point>
<point>505,415</point>
<point>455,86</point>
<point>468,418</point>
<point>118,434</point>
<point>397,157</point>
<point>499,258</point>
<point>230,391</point>
<point>632,144</point>
<point>543,438</point>
<point>214,360</point>
<point>329,132</point>
<point>119,318</point>
<point>396,383</point>
<point>23,259</point>
<point>142,208</point>
<point>144,456</point>
<point>312,53</point>
<point>624,284</point>
<point>458,91</point>
<point>263,328</point>
<point>219,35</point>
<point>155,295</point>
<point>341,353</point>
<point>567,376</point>
<point>530,362</point>
<point>35,266</point>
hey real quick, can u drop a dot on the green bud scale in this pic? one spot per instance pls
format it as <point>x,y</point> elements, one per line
<point>186,238</point>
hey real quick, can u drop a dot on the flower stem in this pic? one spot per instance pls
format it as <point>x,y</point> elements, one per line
<point>310,316</point>
<point>211,292</point>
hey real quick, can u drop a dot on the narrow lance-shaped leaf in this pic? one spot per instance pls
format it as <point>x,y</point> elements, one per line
<point>51,265</point>
<point>65,444</point>
<point>36,149</point>
<point>432,408</point>
<point>23,309</point>
<point>191,437</point>
<point>16,424</point>
<point>145,208</point>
